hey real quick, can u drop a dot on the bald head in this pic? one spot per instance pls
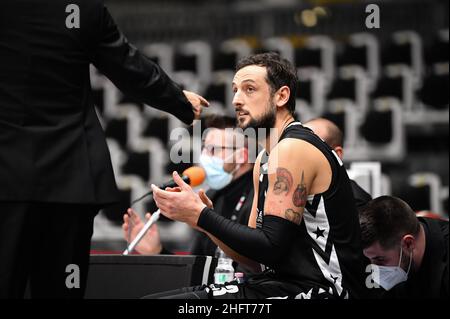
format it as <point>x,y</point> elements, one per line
<point>329,132</point>
<point>326,130</point>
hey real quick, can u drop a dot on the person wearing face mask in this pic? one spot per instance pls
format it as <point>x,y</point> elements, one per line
<point>409,254</point>
<point>229,179</point>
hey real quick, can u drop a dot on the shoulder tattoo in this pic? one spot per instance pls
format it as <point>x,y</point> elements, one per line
<point>284,181</point>
<point>300,194</point>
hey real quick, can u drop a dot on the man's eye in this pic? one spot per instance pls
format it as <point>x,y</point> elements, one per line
<point>250,89</point>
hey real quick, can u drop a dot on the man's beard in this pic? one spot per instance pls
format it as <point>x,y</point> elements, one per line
<point>266,121</point>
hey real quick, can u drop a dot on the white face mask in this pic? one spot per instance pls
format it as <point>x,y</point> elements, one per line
<point>390,276</point>
<point>216,177</point>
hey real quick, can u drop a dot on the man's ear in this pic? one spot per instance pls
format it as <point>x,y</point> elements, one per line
<point>339,151</point>
<point>282,96</point>
<point>408,242</point>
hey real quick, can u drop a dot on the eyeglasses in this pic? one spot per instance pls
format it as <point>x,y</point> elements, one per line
<point>213,150</point>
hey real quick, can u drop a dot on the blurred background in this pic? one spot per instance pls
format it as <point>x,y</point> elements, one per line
<point>387,88</point>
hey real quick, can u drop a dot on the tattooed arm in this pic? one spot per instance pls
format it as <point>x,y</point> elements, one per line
<point>296,169</point>
<point>293,168</point>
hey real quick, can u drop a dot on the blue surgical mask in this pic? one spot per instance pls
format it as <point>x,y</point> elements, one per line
<point>390,276</point>
<point>216,177</point>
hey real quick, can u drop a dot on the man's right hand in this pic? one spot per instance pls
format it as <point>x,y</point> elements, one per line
<point>150,244</point>
<point>198,103</point>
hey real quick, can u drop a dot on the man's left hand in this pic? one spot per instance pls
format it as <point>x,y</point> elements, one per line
<point>184,205</point>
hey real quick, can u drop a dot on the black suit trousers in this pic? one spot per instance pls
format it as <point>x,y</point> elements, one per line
<point>37,243</point>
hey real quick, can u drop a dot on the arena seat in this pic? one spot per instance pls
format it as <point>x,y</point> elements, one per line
<point>424,192</point>
<point>434,92</point>
<point>117,130</point>
<point>138,163</point>
<point>351,84</point>
<point>347,117</point>
<point>224,60</point>
<point>229,53</point>
<point>157,127</point>
<point>368,176</point>
<point>311,91</point>
<point>282,45</point>
<point>405,48</point>
<point>438,51</point>
<point>195,57</point>
<point>382,133</point>
<point>317,54</point>
<point>362,49</point>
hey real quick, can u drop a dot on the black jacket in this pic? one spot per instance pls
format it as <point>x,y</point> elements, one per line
<point>360,195</point>
<point>52,147</point>
<point>431,280</point>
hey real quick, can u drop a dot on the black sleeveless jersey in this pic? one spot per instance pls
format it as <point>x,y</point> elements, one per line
<point>326,257</point>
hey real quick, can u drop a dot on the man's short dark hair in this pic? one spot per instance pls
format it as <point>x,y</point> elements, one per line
<point>220,122</point>
<point>280,72</point>
<point>386,220</point>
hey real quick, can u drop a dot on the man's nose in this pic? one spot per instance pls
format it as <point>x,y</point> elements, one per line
<point>237,101</point>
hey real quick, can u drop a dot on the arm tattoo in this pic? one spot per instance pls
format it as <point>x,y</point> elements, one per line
<point>300,194</point>
<point>293,216</point>
<point>284,181</point>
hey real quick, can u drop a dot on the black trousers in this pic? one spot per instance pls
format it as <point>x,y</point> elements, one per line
<point>257,286</point>
<point>42,247</point>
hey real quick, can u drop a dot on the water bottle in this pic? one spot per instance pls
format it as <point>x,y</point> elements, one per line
<point>224,271</point>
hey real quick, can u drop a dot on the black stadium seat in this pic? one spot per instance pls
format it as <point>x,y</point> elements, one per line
<point>437,52</point>
<point>224,61</point>
<point>265,50</point>
<point>377,127</point>
<point>216,92</point>
<point>304,88</point>
<point>417,197</point>
<point>397,54</point>
<point>434,92</point>
<point>138,163</point>
<point>343,88</point>
<point>183,62</point>
<point>159,128</point>
<point>389,87</point>
<point>307,57</point>
<point>352,55</point>
<point>117,129</point>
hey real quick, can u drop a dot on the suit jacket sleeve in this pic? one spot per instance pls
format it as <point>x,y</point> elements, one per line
<point>135,74</point>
